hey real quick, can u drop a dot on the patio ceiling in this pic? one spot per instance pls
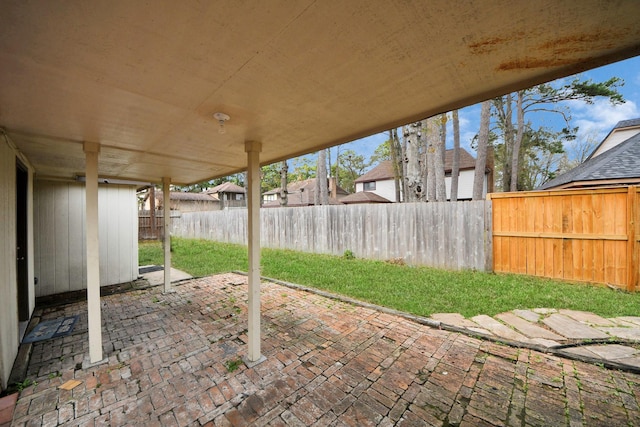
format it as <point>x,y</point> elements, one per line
<point>144,79</point>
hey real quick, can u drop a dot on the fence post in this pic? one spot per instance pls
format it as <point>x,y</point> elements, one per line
<point>488,235</point>
<point>632,242</point>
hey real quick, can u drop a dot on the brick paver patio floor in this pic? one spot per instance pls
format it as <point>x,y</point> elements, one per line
<point>171,361</point>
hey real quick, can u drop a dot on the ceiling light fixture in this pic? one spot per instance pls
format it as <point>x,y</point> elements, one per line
<point>221,118</point>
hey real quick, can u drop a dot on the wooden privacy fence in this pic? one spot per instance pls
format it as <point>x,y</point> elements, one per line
<point>145,220</point>
<point>445,235</point>
<point>579,235</point>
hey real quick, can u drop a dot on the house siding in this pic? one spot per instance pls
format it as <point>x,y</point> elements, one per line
<point>617,137</point>
<point>384,188</point>
<point>60,243</point>
<point>387,189</point>
<point>8,288</point>
<point>465,185</point>
<point>9,324</point>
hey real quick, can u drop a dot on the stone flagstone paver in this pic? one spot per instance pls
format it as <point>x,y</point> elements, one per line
<point>528,328</point>
<point>571,328</point>
<point>585,317</point>
<point>498,328</point>
<point>630,319</point>
<point>613,351</point>
<point>173,360</point>
<point>529,315</point>
<point>624,333</point>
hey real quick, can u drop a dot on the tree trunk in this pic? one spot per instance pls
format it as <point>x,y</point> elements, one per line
<point>455,167</point>
<point>396,156</point>
<point>284,198</point>
<point>322,190</point>
<point>440,125</point>
<point>435,164</point>
<point>515,157</point>
<point>413,177</point>
<point>508,143</point>
<point>481,159</point>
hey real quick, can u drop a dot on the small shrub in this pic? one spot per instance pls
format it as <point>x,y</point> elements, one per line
<point>348,254</point>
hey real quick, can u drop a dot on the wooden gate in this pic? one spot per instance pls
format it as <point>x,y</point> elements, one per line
<point>578,235</point>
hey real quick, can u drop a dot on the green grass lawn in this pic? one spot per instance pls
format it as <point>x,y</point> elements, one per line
<point>418,290</point>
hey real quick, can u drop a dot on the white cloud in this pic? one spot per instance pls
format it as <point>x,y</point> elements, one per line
<point>600,117</point>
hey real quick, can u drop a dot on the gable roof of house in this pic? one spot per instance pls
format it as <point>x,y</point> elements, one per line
<point>620,164</point>
<point>364,197</point>
<point>621,129</point>
<point>306,185</point>
<point>226,187</point>
<point>302,193</point>
<point>384,169</point>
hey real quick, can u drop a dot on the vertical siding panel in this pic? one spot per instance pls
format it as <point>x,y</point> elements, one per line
<point>77,252</point>
<point>8,288</point>
<point>48,232</point>
<point>62,231</point>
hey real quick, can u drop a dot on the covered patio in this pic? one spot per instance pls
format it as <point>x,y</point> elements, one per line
<point>172,361</point>
<point>181,92</point>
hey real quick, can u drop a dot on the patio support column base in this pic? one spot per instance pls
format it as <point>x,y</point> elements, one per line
<point>253,148</point>
<point>94,314</point>
<point>166,211</point>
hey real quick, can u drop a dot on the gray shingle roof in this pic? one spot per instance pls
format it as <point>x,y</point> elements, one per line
<point>621,161</point>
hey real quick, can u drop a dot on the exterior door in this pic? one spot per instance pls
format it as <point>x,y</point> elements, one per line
<point>22,185</point>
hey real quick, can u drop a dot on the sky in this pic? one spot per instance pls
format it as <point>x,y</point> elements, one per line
<point>594,120</point>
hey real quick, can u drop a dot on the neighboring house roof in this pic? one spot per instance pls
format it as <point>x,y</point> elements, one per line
<point>618,165</point>
<point>181,195</point>
<point>364,197</point>
<point>302,186</point>
<point>226,187</point>
<point>384,170</point>
<point>623,130</point>
<point>467,161</point>
<point>302,193</point>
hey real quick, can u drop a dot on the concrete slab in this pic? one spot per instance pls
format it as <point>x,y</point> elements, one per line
<point>572,329</point>
<point>585,317</point>
<point>613,351</point>
<point>631,319</point>
<point>527,328</point>
<point>581,351</point>
<point>529,315</point>
<point>454,319</point>
<point>623,323</point>
<point>156,278</point>
<point>631,361</point>
<point>624,333</point>
<point>497,328</point>
<point>543,342</point>
<point>545,311</point>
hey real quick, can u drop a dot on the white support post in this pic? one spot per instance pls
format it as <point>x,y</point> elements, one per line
<point>91,150</point>
<point>166,210</point>
<point>253,148</point>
